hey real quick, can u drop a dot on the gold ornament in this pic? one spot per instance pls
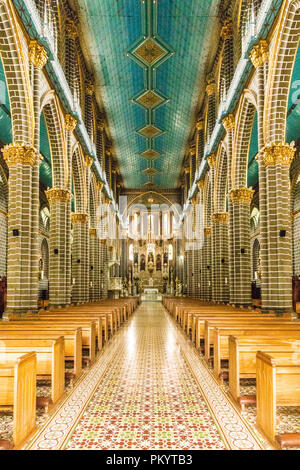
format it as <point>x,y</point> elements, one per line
<point>15,154</point>
<point>100,125</point>
<point>71,29</point>
<point>259,53</point>
<point>211,89</point>
<point>192,150</point>
<point>241,195</point>
<point>58,195</point>
<point>78,218</point>
<point>212,160</point>
<point>90,87</point>
<point>227,29</point>
<point>199,125</point>
<point>88,161</point>
<point>37,54</point>
<point>93,232</point>
<point>100,185</point>
<point>278,154</point>
<point>71,122</point>
<point>229,122</point>
<point>201,184</point>
<point>220,218</point>
<point>207,231</point>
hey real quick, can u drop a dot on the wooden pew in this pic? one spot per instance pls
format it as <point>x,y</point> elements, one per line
<point>242,357</point>
<point>72,337</point>
<point>18,392</point>
<point>88,329</point>
<point>49,359</point>
<point>277,384</point>
<point>221,338</point>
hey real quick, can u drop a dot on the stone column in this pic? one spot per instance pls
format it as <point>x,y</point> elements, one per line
<point>80,258</point>
<point>277,278</point>
<point>94,265</point>
<point>239,254</point>
<point>70,125</point>
<point>23,202</point>
<point>227,35</point>
<point>206,265</point>
<point>211,111</point>
<point>88,112</point>
<point>220,256</point>
<point>229,125</point>
<point>59,259</point>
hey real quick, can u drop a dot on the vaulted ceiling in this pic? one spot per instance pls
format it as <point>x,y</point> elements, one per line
<point>149,59</point>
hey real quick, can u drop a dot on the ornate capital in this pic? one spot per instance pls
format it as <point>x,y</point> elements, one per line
<point>220,218</point>
<point>201,184</point>
<point>89,87</point>
<point>229,122</point>
<point>58,195</point>
<point>88,161</point>
<point>71,122</point>
<point>108,149</point>
<point>100,125</point>
<point>103,242</point>
<point>212,160</point>
<point>93,232</point>
<point>259,53</point>
<point>71,29</point>
<point>193,201</point>
<point>207,231</point>
<point>241,195</point>
<point>15,154</point>
<point>37,54</point>
<point>278,154</point>
<point>211,89</point>
<point>200,124</point>
<point>78,218</point>
<point>192,150</point>
<point>227,29</point>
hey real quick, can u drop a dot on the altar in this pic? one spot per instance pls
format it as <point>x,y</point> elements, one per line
<point>151,294</point>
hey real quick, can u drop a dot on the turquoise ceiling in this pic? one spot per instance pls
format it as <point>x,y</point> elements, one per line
<point>158,46</point>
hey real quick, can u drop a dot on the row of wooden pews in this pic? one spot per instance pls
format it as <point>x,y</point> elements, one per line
<point>246,344</point>
<point>39,347</point>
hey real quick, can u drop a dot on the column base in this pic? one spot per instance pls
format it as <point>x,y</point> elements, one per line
<point>18,313</point>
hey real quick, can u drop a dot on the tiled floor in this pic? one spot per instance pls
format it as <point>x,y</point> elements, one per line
<point>148,390</point>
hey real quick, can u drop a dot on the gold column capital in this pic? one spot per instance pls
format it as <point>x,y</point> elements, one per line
<point>88,161</point>
<point>100,125</point>
<point>78,218</point>
<point>15,154</point>
<point>228,122</point>
<point>71,29</point>
<point>199,124</point>
<point>227,29</point>
<point>241,195</point>
<point>37,54</point>
<point>58,195</point>
<point>70,122</point>
<point>207,231</point>
<point>93,232</point>
<point>259,53</point>
<point>220,218</point>
<point>186,171</point>
<point>211,89</point>
<point>278,154</point>
<point>192,150</point>
<point>201,184</point>
<point>212,160</point>
<point>89,87</point>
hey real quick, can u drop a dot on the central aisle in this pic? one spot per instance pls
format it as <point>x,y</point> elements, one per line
<point>147,398</point>
<point>148,389</point>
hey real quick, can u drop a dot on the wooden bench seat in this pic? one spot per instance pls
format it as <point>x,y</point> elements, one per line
<point>88,329</point>
<point>49,359</point>
<point>18,393</point>
<point>277,384</point>
<point>242,356</point>
<point>72,337</point>
<point>221,338</point>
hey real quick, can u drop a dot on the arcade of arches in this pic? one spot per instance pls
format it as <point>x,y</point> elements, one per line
<point>149,199</point>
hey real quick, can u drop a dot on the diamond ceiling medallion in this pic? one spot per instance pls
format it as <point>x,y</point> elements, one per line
<point>149,52</point>
<point>150,154</point>
<point>150,99</point>
<point>150,131</point>
<point>150,171</point>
